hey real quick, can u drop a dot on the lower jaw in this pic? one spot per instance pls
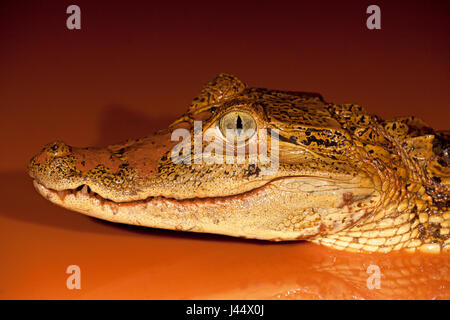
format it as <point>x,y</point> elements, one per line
<point>205,216</point>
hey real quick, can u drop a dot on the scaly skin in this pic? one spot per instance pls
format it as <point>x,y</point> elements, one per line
<point>346,179</point>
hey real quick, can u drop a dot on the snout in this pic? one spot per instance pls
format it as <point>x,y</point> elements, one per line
<point>120,172</point>
<point>59,166</point>
<point>54,166</point>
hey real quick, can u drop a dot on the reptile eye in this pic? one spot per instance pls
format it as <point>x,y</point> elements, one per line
<point>237,125</point>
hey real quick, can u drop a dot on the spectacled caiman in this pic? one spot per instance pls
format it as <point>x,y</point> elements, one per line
<point>346,179</point>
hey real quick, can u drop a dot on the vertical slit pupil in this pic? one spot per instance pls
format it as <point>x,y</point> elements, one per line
<point>239,124</point>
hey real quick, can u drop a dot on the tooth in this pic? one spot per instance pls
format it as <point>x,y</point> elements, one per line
<point>114,209</point>
<point>84,190</point>
<point>62,195</point>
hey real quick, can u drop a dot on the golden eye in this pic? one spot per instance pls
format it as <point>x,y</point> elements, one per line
<point>237,125</point>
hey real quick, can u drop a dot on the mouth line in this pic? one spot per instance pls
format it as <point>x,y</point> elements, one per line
<point>85,191</point>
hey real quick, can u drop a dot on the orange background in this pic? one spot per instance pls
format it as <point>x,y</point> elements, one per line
<point>132,68</point>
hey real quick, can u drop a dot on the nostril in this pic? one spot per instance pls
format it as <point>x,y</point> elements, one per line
<point>58,148</point>
<point>54,159</point>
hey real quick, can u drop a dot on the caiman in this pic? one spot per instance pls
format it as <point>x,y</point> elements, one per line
<point>345,178</point>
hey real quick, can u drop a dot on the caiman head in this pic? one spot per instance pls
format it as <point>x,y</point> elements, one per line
<point>265,164</point>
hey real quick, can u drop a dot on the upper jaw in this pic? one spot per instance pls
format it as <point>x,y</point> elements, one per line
<point>142,168</point>
<point>133,171</point>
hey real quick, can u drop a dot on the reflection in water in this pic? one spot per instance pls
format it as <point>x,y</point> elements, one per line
<point>297,271</point>
<point>320,273</point>
<point>327,274</point>
<point>414,276</point>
